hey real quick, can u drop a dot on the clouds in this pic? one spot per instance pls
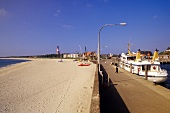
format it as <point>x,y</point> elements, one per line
<point>67,26</point>
<point>3,12</point>
<point>155,17</point>
<point>57,13</point>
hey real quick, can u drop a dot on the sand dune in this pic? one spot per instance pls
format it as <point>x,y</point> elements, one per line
<point>46,86</point>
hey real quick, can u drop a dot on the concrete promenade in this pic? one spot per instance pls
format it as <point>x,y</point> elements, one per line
<point>128,93</point>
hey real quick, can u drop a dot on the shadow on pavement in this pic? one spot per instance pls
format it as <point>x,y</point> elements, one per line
<point>110,100</point>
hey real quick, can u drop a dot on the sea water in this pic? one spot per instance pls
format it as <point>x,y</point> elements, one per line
<point>167,67</point>
<point>7,62</point>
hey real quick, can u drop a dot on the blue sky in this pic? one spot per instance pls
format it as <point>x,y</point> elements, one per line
<point>33,27</point>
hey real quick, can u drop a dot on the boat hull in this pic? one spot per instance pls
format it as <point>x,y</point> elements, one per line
<point>156,77</point>
<point>153,76</point>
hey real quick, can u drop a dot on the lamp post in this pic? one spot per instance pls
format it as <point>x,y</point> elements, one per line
<point>121,24</point>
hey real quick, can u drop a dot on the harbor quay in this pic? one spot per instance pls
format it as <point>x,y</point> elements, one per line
<point>128,93</point>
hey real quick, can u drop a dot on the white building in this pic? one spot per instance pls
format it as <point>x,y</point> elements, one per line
<point>69,55</point>
<point>168,49</point>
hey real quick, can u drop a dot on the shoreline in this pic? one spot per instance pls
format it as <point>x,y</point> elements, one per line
<point>26,60</point>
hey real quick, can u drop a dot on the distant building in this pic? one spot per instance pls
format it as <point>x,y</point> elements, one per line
<point>57,50</point>
<point>168,49</point>
<point>164,56</point>
<point>90,55</point>
<point>104,56</point>
<point>69,55</point>
<point>86,55</point>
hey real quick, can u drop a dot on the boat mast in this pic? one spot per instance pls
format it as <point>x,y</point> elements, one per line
<point>129,45</point>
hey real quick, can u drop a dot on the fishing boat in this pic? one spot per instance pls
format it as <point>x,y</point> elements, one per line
<point>140,64</point>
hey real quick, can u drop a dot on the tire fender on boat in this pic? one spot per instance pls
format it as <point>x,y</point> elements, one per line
<point>154,67</point>
<point>139,69</point>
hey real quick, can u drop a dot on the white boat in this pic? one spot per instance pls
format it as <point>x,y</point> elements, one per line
<point>136,63</point>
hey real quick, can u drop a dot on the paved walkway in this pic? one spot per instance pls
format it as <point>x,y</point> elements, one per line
<point>130,93</point>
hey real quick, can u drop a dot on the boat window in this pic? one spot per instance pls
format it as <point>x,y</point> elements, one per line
<point>158,68</point>
<point>131,58</point>
<point>148,67</point>
<point>143,67</point>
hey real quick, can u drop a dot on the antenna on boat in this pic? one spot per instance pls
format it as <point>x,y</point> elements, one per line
<point>129,45</point>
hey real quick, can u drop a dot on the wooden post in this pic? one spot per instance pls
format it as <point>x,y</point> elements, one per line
<point>130,67</point>
<point>138,71</point>
<point>102,76</point>
<point>146,73</point>
<point>114,61</point>
<point>108,80</point>
<point>118,63</point>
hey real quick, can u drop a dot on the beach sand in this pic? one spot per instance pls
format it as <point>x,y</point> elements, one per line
<point>46,86</point>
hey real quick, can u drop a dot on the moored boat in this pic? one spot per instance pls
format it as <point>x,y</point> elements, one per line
<point>136,63</point>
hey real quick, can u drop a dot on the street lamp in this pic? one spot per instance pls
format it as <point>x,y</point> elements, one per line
<point>121,24</point>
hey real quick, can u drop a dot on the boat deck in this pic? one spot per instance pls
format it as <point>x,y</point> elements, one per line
<point>128,93</point>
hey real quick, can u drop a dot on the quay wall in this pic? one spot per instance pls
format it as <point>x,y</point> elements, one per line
<point>164,61</point>
<point>95,100</point>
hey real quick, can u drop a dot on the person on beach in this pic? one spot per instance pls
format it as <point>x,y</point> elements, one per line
<point>116,69</point>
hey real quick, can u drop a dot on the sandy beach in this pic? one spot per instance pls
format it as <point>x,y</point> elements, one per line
<point>46,86</point>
